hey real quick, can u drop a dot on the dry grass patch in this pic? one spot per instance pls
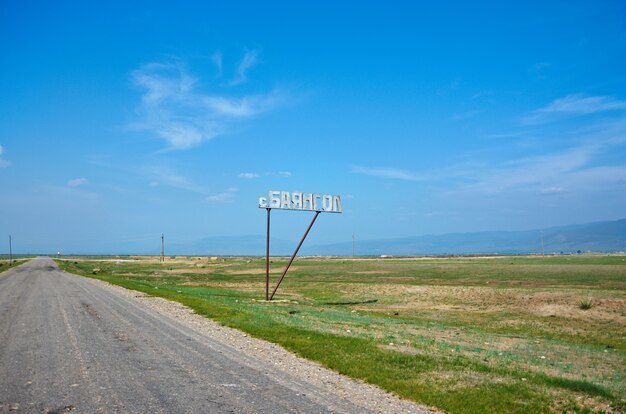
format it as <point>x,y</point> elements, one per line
<point>260,271</point>
<point>415,299</point>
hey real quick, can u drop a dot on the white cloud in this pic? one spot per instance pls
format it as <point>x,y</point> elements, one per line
<point>170,178</point>
<point>523,173</point>
<point>583,167</point>
<point>3,163</point>
<point>575,105</point>
<point>392,173</point>
<point>580,104</point>
<point>249,60</point>
<point>552,190</point>
<point>576,170</point>
<point>225,197</point>
<point>174,109</point>
<point>163,82</point>
<point>285,174</point>
<point>75,182</point>
<point>243,107</point>
<point>248,175</point>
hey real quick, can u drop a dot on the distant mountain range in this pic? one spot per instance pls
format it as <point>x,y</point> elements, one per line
<point>606,236</point>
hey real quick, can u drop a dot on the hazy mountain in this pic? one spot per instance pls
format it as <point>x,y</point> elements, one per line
<point>609,236</point>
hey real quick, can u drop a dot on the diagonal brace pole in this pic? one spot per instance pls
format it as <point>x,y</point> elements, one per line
<point>293,256</point>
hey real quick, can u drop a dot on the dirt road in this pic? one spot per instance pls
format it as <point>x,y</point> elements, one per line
<point>69,343</point>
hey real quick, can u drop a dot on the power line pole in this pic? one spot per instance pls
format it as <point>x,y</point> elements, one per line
<point>162,248</point>
<point>543,252</point>
<point>10,252</point>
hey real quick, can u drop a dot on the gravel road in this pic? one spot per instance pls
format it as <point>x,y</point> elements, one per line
<point>69,343</point>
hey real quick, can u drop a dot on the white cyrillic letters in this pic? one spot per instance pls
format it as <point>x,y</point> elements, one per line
<point>285,200</point>
<point>296,201</point>
<point>337,204</point>
<point>307,198</point>
<point>301,201</point>
<point>274,197</point>
<point>315,204</point>
<point>327,203</point>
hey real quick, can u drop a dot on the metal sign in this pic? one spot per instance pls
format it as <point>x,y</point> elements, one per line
<point>284,200</point>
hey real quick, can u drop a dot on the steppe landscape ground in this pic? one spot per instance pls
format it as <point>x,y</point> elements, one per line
<point>464,334</point>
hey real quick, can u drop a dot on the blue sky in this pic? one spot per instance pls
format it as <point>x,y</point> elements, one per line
<point>124,120</point>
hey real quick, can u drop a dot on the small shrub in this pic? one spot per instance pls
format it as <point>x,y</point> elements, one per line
<point>585,304</point>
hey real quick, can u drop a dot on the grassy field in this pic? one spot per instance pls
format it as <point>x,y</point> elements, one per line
<point>466,335</point>
<point>6,264</point>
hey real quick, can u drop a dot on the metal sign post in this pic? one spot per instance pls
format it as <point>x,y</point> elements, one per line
<point>284,200</point>
<point>267,257</point>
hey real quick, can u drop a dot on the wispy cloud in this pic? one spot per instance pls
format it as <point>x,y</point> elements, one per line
<point>227,196</point>
<point>285,174</point>
<point>250,59</point>
<point>552,190</point>
<point>575,105</point>
<point>248,175</point>
<point>580,104</point>
<point>174,109</point>
<point>241,107</point>
<point>580,168</point>
<point>166,176</point>
<point>76,182</point>
<point>392,173</point>
<point>3,163</point>
<point>556,170</point>
<point>251,175</point>
<point>543,174</point>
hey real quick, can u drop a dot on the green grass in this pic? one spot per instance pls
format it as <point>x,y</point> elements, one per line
<point>6,264</point>
<point>462,334</point>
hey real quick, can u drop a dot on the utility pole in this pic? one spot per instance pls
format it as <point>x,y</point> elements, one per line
<point>10,252</point>
<point>162,248</point>
<point>543,252</point>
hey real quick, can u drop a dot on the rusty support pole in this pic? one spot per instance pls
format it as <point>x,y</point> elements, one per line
<point>293,256</point>
<point>267,257</point>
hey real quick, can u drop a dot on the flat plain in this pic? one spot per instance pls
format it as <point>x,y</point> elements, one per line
<point>464,334</point>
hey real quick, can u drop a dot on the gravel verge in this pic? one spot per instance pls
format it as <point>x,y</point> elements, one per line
<point>370,397</point>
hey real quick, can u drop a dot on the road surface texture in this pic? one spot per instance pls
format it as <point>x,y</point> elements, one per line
<point>73,344</point>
